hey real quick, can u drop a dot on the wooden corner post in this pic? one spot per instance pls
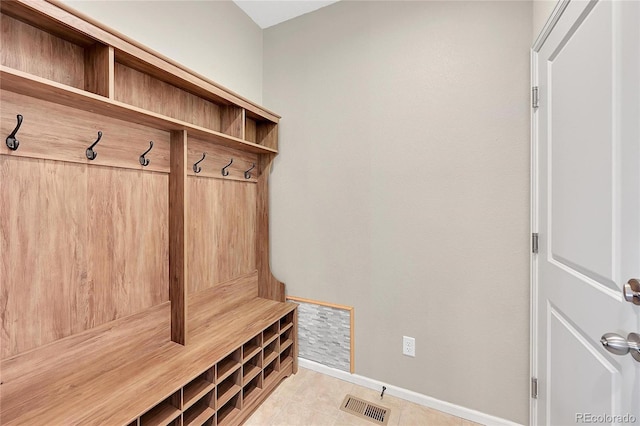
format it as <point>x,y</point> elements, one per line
<point>178,200</point>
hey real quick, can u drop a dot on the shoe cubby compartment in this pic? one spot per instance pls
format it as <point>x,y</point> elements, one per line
<point>229,411</point>
<point>252,367</point>
<point>251,348</point>
<point>271,351</point>
<point>286,322</point>
<point>286,338</point>
<point>197,388</point>
<point>286,356</point>
<point>270,334</point>
<point>251,389</point>
<point>165,413</point>
<point>228,365</point>
<point>201,412</point>
<point>270,371</point>
<point>228,388</point>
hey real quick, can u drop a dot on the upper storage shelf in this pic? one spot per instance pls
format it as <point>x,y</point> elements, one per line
<point>95,68</point>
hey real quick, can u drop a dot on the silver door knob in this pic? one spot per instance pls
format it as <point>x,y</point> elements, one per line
<point>631,291</point>
<point>618,345</point>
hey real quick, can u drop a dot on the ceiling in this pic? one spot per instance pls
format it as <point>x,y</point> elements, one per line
<point>267,13</point>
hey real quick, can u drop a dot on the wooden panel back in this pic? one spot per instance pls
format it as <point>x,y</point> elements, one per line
<point>142,90</point>
<point>58,132</point>
<point>29,49</point>
<point>81,246</point>
<point>222,231</point>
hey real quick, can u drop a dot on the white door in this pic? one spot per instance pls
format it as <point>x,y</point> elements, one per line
<point>586,209</point>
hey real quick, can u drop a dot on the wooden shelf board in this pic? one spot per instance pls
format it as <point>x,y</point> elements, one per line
<point>249,351</point>
<point>284,345</point>
<point>195,390</point>
<point>250,371</point>
<point>227,393</point>
<point>269,356</point>
<point>160,415</point>
<point>198,414</point>
<point>286,327</point>
<point>227,368</point>
<point>41,88</point>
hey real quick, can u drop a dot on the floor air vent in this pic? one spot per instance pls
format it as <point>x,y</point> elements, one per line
<point>365,410</point>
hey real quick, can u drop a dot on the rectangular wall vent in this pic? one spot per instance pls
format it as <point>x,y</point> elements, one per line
<point>366,410</point>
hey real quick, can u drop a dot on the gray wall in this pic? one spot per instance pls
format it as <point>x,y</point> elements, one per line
<point>213,38</point>
<point>402,187</point>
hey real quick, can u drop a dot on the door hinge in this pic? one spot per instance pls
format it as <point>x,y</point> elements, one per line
<point>534,242</point>
<point>534,388</point>
<point>535,98</point>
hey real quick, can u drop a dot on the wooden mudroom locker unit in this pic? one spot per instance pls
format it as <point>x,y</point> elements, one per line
<point>135,286</point>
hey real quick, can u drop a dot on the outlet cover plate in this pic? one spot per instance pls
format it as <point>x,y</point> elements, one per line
<point>408,346</point>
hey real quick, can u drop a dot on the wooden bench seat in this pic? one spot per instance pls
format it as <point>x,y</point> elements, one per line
<point>112,374</point>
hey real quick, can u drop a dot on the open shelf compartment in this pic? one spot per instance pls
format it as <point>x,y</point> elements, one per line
<point>252,367</point>
<point>67,57</point>
<point>228,388</point>
<point>251,390</point>
<point>270,371</point>
<point>252,347</point>
<point>163,413</point>
<point>228,412</point>
<point>270,333</point>
<point>197,388</point>
<point>228,365</point>
<point>202,412</point>
<point>271,351</point>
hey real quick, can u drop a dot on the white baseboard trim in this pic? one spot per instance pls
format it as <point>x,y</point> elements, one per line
<point>415,397</point>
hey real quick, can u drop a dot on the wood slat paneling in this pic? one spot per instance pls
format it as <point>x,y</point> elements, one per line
<point>221,235</point>
<point>69,257</point>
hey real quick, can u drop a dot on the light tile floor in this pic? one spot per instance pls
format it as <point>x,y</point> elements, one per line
<point>313,399</point>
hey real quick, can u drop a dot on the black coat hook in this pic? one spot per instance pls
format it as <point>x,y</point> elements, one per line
<point>225,172</point>
<point>91,154</point>
<point>145,161</point>
<point>196,168</point>
<point>247,173</point>
<point>12,142</point>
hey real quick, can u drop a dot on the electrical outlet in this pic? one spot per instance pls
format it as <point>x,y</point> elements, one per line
<point>408,346</point>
